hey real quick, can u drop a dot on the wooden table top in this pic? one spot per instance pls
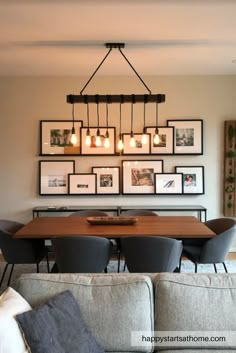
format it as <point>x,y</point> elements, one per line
<point>166,226</point>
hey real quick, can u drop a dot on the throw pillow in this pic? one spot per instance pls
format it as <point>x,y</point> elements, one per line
<point>11,340</point>
<point>57,327</point>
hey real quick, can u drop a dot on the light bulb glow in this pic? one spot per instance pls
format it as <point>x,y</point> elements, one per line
<point>144,139</point>
<point>156,139</point>
<point>107,142</point>
<point>132,142</point>
<point>120,145</point>
<point>88,140</point>
<point>98,141</point>
<point>73,139</point>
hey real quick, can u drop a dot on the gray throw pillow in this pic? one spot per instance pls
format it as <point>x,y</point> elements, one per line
<point>57,327</point>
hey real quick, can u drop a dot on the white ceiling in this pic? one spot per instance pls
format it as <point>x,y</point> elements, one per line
<point>163,37</point>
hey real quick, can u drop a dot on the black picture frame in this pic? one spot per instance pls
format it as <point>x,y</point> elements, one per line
<point>166,144</point>
<point>193,179</point>
<point>92,150</point>
<point>55,138</point>
<point>108,180</point>
<point>87,184</point>
<point>138,176</point>
<point>168,183</point>
<point>188,136</point>
<point>139,149</point>
<point>53,176</point>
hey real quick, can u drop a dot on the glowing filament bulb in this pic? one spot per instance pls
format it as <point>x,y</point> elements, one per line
<point>73,139</point>
<point>107,142</point>
<point>88,138</point>
<point>132,142</point>
<point>120,145</point>
<point>156,137</point>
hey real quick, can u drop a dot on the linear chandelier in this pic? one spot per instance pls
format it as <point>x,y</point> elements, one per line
<point>118,98</point>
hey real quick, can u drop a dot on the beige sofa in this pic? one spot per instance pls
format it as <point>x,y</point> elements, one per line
<point>118,306</point>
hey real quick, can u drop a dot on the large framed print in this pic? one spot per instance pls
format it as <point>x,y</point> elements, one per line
<point>169,183</point>
<point>108,180</point>
<point>82,184</point>
<point>188,136</point>
<point>193,179</point>
<point>138,176</point>
<point>93,149</point>
<point>166,140</point>
<point>53,177</point>
<point>139,148</point>
<point>55,136</point>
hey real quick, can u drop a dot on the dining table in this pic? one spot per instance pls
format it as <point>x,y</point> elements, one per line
<point>178,227</point>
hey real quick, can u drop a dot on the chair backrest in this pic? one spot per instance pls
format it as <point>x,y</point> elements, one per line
<point>85,254</point>
<point>88,213</point>
<point>17,250</point>
<point>152,254</point>
<point>139,213</point>
<point>216,249</point>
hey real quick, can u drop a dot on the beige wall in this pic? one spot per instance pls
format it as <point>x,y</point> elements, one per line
<point>25,101</point>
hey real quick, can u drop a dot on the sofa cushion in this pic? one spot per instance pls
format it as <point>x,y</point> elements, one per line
<point>11,340</point>
<point>57,327</point>
<point>112,306</point>
<point>195,302</point>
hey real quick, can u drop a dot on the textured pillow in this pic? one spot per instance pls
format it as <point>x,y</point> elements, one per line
<point>57,327</point>
<point>11,340</point>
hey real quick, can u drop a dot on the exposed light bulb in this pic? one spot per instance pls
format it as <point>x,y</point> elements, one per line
<point>156,138</point>
<point>73,139</point>
<point>144,139</point>
<point>120,145</point>
<point>98,141</point>
<point>88,138</point>
<point>107,142</point>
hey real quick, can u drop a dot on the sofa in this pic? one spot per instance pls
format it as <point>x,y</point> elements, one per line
<point>118,307</point>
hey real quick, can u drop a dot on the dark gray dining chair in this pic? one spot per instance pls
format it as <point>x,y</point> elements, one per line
<point>216,249</point>
<point>139,213</point>
<point>152,254</point>
<point>19,251</point>
<point>98,213</point>
<point>85,254</point>
<point>89,213</point>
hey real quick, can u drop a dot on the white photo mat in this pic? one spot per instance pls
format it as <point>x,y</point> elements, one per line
<point>139,148</point>
<point>193,179</point>
<point>166,144</point>
<point>82,184</point>
<point>53,177</point>
<point>55,137</point>
<point>138,176</point>
<point>108,180</point>
<point>168,183</point>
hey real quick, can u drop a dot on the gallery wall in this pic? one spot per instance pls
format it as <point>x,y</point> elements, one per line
<point>24,101</point>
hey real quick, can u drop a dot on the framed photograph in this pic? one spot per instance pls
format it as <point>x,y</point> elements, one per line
<point>82,184</point>
<point>138,176</point>
<point>166,143</point>
<point>188,136</point>
<point>108,180</point>
<point>55,136</point>
<point>93,149</point>
<point>168,183</point>
<point>53,177</point>
<point>193,179</point>
<point>139,147</point>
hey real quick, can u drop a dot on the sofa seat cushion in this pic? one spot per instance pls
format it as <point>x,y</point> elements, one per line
<point>112,306</point>
<point>195,302</point>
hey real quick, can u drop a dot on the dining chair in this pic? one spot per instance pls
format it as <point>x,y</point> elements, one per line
<point>82,254</point>
<point>216,249</point>
<point>152,254</point>
<point>19,251</point>
<point>89,213</point>
<point>138,212</point>
<point>97,213</point>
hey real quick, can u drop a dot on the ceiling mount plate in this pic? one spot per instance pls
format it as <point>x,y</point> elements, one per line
<point>114,45</point>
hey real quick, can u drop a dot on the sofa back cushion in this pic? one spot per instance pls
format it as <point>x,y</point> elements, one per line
<point>195,302</point>
<point>112,306</point>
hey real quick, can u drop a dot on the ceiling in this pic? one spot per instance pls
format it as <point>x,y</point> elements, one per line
<point>162,37</point>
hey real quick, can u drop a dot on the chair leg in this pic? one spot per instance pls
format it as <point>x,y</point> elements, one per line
<point>215,268</point>
<point>223,265</point>
<point>124,266</point>
<point>9,279</point>
<point>3,274</point>
<point>48,268</point>
<point>37,264</point>
<point>180,263</point>
<point>195,267</point>
<point>105,270</point>
<point>118,257</point>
